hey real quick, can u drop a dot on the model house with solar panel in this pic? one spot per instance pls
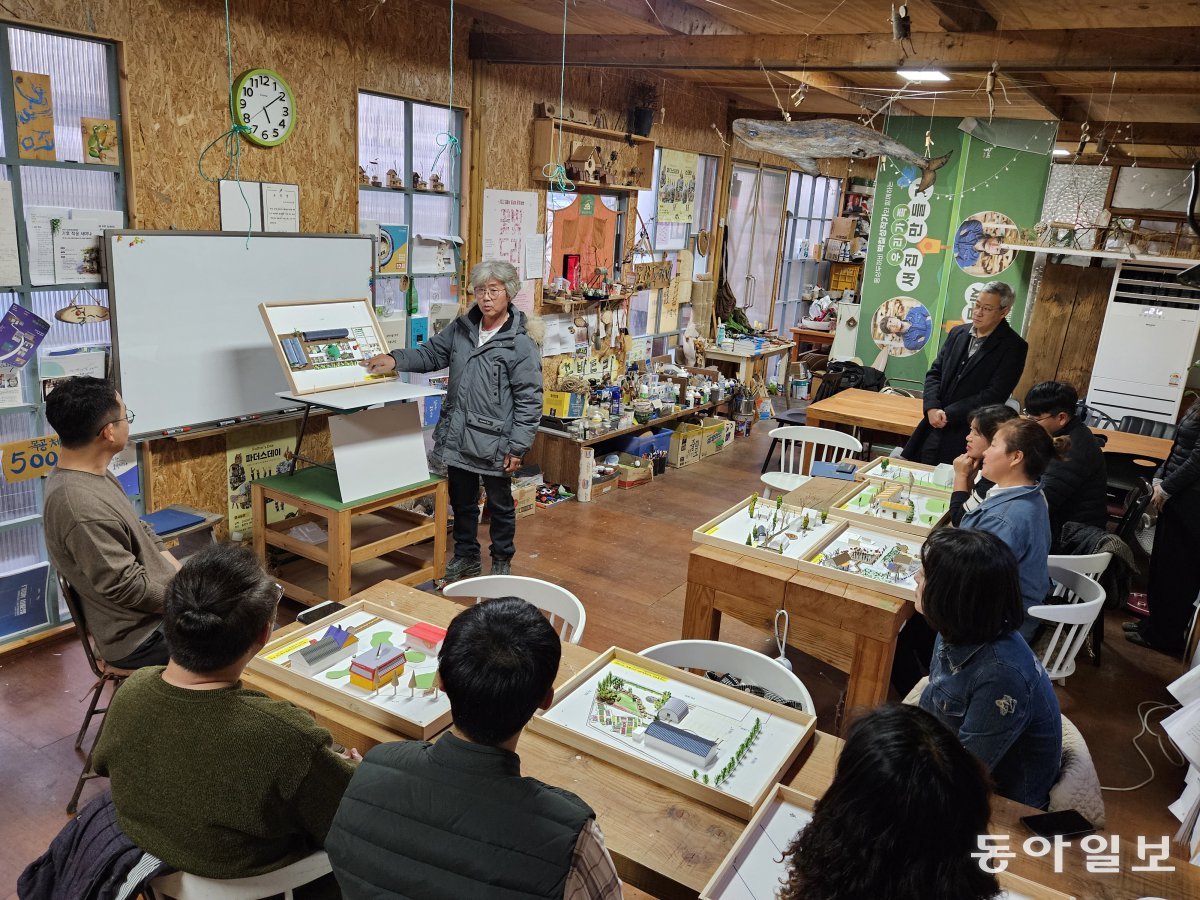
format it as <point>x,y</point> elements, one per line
<point>691,748</point>
<point>376,667</point>
<point>335,645</point>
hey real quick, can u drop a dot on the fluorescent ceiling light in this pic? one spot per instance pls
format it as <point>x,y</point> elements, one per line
<point>923,74</point>
<point>1059,151</point>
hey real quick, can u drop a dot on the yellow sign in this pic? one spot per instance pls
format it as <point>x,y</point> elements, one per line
<point>32,458</point>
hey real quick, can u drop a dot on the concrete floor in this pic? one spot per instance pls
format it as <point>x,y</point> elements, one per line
<point>625,556</point>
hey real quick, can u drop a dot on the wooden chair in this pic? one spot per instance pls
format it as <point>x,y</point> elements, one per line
<point>105,674</point>
<point>741,662</point>
<point>1072,620</point>
<point>799,442</point>
<point>183,886</point>
<point>556,602</point>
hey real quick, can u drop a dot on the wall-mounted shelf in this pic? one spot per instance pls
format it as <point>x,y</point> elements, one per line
<point>634,151</point>
<point>1123,255</point>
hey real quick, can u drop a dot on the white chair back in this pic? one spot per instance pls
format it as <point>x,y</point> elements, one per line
<point>795,442</point>
<point>1072,619</point>
<point>1092,564</point>
<point>741,662</point>
<point>183,886</point>
<point>562,607</point>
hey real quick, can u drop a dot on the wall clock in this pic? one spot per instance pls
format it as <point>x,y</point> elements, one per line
<point>263,102</point>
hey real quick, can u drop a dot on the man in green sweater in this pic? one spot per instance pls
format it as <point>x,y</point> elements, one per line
<point>211,777</point>
<point>112,558</point>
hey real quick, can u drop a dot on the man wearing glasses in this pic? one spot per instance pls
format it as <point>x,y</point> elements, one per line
<point>979,364</point>
<point>110,557</point>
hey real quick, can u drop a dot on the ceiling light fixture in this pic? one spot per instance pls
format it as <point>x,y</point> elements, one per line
<point>1059,151</point>
<point>918,75</point>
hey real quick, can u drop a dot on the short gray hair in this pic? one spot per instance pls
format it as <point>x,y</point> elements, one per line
<point>496,270</point>
<point>1004,291</point>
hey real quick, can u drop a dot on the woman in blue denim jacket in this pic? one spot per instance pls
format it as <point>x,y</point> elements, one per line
<point>985,683</point>
<point>1015,509</point>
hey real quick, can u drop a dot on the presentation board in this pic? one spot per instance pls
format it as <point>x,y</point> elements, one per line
<point>322,344</point>
<point>188,338</point>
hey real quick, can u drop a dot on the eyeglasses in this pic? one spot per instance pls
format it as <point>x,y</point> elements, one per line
<point>1026,414</point>
<point>279,587</point>
<point>128,417</point>
<point>492,292</point>
<point>986,309</point>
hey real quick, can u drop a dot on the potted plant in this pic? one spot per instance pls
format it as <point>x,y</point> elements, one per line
<point>644,109</point>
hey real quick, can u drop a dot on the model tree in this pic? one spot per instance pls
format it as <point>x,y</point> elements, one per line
<point>753,503</point>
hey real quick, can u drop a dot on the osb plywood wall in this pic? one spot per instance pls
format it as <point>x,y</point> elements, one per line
<point>505,103</point>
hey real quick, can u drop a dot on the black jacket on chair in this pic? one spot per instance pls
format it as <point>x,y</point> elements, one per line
<point>1075,487</point>
<point>958,385</point>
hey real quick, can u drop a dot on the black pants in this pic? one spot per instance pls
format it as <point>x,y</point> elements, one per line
<point>1174,576</point>
<point>914,653</point>
<point>150,652</point>
<point>464,499</point>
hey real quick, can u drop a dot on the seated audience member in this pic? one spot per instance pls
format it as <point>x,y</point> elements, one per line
<point>1075,487</point>
<point>970,487</point>
<point>455,818</point>
<point>1015,510</point>
<point>907,790</point>
<point>211,777</point>
<point>985,683</point>
<point>112,558</point>
<point>1174,575</point>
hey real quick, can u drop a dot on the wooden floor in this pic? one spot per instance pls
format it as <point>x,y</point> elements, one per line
<point>625,556</point>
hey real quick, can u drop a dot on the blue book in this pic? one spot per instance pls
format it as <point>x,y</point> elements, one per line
<point>820,469</point>
<point>169,520</point>
<point>23,599</point>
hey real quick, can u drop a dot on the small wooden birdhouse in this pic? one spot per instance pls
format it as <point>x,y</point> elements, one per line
<point>362,176</point>
<point>436,183</point>
<point>419,183</point>
<point>394,181</point>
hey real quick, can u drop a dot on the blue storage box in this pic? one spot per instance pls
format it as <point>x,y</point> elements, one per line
<point>640,444</point>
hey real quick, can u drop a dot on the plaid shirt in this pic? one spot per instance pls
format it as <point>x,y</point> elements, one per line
<point>593,874</point>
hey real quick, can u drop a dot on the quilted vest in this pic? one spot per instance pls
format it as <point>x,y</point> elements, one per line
<point>452,820</point>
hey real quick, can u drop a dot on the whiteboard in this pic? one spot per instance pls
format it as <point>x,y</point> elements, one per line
<point>189,343</point>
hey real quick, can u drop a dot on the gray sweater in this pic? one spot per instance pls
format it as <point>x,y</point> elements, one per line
<point>109,555</point>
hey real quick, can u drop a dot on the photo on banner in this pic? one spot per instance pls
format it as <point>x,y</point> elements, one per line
<point>252,453</point>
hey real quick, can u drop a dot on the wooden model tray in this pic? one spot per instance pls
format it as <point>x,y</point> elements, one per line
<point>426,716</point>
<point>874,471</point>
<point>904,590</point>
<point>931,507</point>
<point>608,731</point>
<point>757,861</point>
<point>720,532</point>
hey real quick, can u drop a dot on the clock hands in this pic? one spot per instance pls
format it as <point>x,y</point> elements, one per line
<point>264,109</point>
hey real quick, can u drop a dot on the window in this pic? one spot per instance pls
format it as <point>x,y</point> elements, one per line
<point>83,83</point>
<point>404,137</point>
<point>811,206</point>
<point>646,316</point>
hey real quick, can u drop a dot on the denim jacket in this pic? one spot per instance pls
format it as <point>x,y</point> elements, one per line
<point>1020,517</point>
<point>999,700</point>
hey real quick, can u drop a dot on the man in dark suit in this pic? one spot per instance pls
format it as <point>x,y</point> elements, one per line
<point>979,364</point>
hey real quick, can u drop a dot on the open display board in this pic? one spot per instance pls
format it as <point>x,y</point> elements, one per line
<point>698,737</point>
<point>187,334</point>
<point>770,530</point>
<point>374,661</point>
<point>323,343</point>
<point>897,504</point>
<point>931,478</point>
<point>756,867</point>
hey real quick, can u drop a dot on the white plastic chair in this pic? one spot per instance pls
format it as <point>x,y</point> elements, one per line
<point>1092,564</point>
<point>1072,619</point>
<point>826,444</point>
<point>557,602</point>
<point>741,662</point>
<point>183,886</point>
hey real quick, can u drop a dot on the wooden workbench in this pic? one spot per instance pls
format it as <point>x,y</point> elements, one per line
<point>669,845</point>
<point>897,414</point>
<point>809,336</point>
<point>747,364</point>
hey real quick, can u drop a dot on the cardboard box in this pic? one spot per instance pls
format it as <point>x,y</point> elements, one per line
<point>686,441</point>
<point>603,484</point>
<point>730,428</point>
<point>562,404</point>
<point>714,435</point>
<point>525,500</point>
<point>629,477</point>
<point>842,228</point>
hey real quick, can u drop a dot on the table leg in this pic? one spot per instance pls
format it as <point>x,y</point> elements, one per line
<point>870,673</point>
<point>338,562</point>
<point>440,502</point>
<point>701,618</point>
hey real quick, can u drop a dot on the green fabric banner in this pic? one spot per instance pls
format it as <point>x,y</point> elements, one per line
<point>930,253</point>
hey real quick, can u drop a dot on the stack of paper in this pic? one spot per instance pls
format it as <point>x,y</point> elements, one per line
<point>1183,728</point>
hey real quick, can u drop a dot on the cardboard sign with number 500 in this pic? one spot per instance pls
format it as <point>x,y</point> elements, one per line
<point>32,458</point>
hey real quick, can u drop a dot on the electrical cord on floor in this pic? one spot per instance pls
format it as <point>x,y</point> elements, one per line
<point>1144,718</point>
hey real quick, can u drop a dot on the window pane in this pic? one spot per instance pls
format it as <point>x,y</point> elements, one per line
<point>382,206</point>
<point>430,123</point>
<point>638,313</point>
<point>78,73</point>
<point>20,547</point>
<point>381,138</point>
<point>78,189</point>
<point>433,215</point>
<point>18,499</point>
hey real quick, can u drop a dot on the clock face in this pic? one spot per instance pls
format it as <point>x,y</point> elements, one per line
<point>263,102</point>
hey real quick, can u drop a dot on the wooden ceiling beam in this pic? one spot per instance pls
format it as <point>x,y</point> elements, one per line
<point>963,15</point>
<point>1179,134</point>
<point>843,89</point>
<point>673,16</point>
<point>1082,49</point>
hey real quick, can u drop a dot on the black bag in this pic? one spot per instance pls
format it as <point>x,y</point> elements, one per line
<point>843,374</point>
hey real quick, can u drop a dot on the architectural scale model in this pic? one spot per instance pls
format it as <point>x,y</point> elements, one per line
<point>425,636</point>
<point>899,504</point>
<point>374,668</point>
<point>873,556</point>
<point>703,738</point>
<point>931,478</point>
<point>767,529</point>
<point>335,645</point>
<point>329,348</point>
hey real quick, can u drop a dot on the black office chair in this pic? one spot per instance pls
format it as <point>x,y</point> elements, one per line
<point>1147,427</point>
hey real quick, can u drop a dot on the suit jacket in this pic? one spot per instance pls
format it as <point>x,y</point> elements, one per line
<point>958,385</point>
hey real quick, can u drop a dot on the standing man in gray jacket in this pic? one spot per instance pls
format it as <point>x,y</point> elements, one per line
<point>491,413</point>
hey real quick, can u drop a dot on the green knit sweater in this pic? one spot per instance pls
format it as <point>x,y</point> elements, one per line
<point>223,783</point>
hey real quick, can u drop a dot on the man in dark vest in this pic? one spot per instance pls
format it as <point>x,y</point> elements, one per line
<point>455,819</point>
<point>979,364</point>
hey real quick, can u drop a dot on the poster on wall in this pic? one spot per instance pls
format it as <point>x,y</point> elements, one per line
<point>510,219</point>
<point>677,186</point>
<point>393,249</point>
<point>23,599</point>
<point>252,453</point>
<point>932,251</point>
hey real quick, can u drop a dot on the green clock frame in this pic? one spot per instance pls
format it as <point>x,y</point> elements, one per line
<point>287,88</point>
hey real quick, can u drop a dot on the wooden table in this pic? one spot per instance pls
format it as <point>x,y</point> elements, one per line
<point>809,336</point>
<point>747,364</point>
<point>667,844</point>
<point>896,414</point>
<point>557,453</point>
<point>368,529</point>
<point>849,627</point>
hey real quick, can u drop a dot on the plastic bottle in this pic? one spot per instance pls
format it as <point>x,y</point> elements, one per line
<point>805,381</point>
<point>720,332</point>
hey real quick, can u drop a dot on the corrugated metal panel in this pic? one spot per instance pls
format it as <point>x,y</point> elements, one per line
<point>19,499</point>
<point>428,123</point>
<point>433,214</point>
<point>21,547</point>
<point>76,188</point>
<point>78,71</point>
